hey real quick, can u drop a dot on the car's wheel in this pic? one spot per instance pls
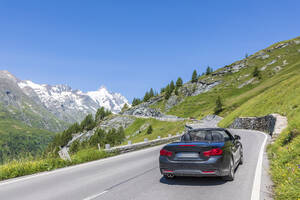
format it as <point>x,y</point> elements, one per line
<point>230,176</point>
<point>242,157</point>
<point>169,176</point>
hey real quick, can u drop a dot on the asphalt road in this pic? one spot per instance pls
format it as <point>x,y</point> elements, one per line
<point>135,175</point>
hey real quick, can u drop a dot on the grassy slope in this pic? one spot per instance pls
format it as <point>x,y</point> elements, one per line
<point>283,97</point>
<point>203,104</point>
<point>160,128</point>
<point>274,93</point>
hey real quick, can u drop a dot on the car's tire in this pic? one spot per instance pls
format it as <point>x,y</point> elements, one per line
<point>242,157</point>
<point>167,176</point>
<point>230,176</point>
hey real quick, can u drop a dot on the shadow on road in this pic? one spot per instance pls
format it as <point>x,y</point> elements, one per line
<point>193,181</point>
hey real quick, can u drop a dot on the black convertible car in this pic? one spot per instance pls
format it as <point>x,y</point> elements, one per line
<point>202,152</point>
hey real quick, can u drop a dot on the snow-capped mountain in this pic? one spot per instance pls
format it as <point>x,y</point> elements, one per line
<point>72,105</point>
<point>50,107</point>
<point>109,100</point>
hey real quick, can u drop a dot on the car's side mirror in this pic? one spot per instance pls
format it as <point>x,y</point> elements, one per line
<point>237,137</point>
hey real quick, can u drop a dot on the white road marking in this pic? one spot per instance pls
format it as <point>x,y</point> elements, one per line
<point>95,196</point>
<point>255,195</point>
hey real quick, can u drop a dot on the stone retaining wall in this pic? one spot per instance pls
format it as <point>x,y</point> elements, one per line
<point>269,123</point>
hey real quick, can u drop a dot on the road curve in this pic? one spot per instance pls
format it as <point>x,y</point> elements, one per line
<point>133,176</point>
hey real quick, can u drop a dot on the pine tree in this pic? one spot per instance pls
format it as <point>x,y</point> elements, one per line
<point>176,91</point>
<point>151,93</point>
<point>88,123</point>
<point>194,77</point>
<point>172,86</point>
<point>101,114</point>
<point>179,82</point>
<point>149,130</point>
<point>209,70</point>
<point>111,137</point>
<point>136,101</point>
<point>146,97</point>
<point>168,92</point>
<point>120,135</point>
<point>219,105</point>
<point>74,146</point>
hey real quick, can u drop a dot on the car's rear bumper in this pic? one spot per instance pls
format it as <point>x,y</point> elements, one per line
<point>212,167</point>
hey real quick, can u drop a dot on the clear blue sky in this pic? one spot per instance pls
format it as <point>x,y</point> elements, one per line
<point>131,46</point>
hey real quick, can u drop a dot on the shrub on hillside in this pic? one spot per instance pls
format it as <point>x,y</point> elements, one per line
<point>256,73</point>
<point>149,130</point>
<point>219,106</point>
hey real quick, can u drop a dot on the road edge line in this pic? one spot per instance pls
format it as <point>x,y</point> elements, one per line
<point>255,194</point>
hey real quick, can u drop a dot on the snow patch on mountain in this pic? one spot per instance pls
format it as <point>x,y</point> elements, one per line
<point>72,105</point>
<point>109,100</point>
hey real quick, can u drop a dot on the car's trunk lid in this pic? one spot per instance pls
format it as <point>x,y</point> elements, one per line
<point>191,150</point>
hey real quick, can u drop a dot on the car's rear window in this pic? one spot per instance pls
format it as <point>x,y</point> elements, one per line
<point>207,135</point>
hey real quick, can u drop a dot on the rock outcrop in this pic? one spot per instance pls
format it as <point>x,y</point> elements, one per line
<point>143,111</point>
<point>194,89</point>
<point>117,122</point>
<point>172,101</point>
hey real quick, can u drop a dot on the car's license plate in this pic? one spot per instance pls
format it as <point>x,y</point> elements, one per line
<point>187,155</point>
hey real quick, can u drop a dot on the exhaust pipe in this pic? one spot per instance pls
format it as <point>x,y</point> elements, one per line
<point>170,175</point>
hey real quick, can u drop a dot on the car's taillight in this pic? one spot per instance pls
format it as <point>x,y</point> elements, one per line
<point>164,152</point>
<point>213,152</point>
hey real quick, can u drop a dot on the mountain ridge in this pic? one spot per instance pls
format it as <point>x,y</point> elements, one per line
<point>65,103</point>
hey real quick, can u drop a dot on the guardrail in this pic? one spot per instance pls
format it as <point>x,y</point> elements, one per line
<point>132,147</point>
<point>64,154</point>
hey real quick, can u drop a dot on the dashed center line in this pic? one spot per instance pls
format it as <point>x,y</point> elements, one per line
<point>95,196</point>
<point>118,184</point>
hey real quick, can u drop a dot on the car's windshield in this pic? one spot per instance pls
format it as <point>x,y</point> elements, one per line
<point>206,135</point>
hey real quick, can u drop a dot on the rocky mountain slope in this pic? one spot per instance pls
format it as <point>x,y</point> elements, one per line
<point>51,107</point>
<point>16,105</point>
<point>72,105</point>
